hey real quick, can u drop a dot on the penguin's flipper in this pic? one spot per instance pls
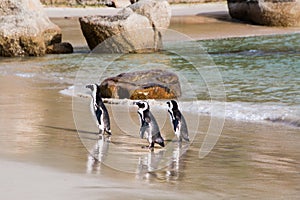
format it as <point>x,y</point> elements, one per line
<point>184,133</point>
<point>98,113</point>
<point>147,119</point>
<point>175,124</point>
<point>143,130</point>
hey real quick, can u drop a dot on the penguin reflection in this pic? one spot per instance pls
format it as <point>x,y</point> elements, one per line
<point>98,154</point>
<point>175,169</point>
<point>149,166</point>
<point>149,163</point>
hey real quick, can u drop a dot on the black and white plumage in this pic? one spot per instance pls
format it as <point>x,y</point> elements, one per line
<point>98,108</point>
<point>178,121</point>
<point>149,127</point>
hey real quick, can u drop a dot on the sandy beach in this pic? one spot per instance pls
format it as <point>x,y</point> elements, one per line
<point>45,156</point>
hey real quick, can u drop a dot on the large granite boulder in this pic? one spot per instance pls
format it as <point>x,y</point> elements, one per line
<point>25,30</point>
<point>266,12</point>
<point>136,28</point>
<point>157,11</point>
<point>122,33</point>
<point>148,84</point>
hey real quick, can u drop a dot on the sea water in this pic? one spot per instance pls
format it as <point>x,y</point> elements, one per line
<point>258,77</point>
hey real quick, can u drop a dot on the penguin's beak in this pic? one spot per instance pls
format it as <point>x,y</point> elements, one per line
<point>168,103</point>
<point>137,103</point>
<point>89,87</point>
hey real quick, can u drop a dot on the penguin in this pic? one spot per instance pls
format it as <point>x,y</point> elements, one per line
<point>149,127</point>
<point>98,108</point>
<point>178,121</point>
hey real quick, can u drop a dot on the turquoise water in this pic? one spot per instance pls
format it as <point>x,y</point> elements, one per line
<point>260,76</point>
<point>259,69</point>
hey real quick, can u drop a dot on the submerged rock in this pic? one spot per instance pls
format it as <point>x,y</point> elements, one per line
<point>60,48</point>
<point>136,28</point>
<point>266,12</point>
<point>25,29</point>
<point>148,84</point>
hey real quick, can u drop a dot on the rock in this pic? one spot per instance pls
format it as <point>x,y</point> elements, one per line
<point>121,3</point>
<point>157,11</point>
<point>25,29</point>
<point>73,2</point>
<point>135,29</point>
<point>128,33</point>
<point>60,48</point>
<point>266,12</point>
<point>149,84</point>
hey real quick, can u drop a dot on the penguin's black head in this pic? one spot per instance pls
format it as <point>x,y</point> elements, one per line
<point>92,87</point>
<point>143,105</point>
<point>172,105</point>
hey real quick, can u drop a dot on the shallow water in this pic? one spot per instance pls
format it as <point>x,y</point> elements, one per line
<point>258,76</point>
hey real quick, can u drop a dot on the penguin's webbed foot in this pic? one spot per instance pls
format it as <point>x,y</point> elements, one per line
<point>151,146</point>
<point>108,132</point>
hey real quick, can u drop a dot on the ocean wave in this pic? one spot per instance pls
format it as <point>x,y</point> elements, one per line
<point>25,75</point>
<point>286,120</point>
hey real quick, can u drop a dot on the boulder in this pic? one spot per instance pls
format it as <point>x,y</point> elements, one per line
<point>120,3</point>
<point>25,29</point>
<point>123,33</point>
<point>266,12</point>
<point>135,29</point>
<point>148,84</point>
<point>60,48</point>
<point>157,11</point>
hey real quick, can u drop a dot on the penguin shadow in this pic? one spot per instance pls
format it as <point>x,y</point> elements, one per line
<point>98,154</point>
<point>69,130</point>
<point>166,164</point>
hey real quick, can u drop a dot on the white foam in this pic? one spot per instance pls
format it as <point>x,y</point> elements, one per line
<point>25,75</point>
<point>245,111</point>
<point>68,91</point>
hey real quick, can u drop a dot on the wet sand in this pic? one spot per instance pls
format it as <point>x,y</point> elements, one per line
<point>43,157</point>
